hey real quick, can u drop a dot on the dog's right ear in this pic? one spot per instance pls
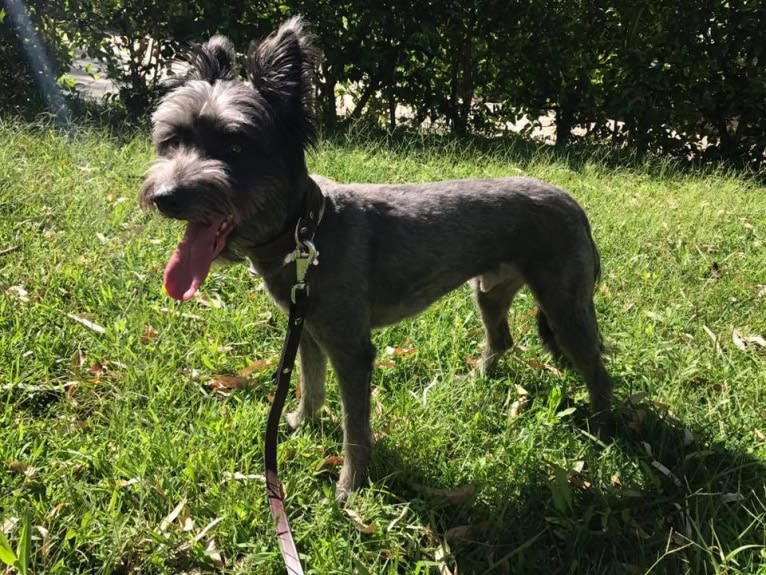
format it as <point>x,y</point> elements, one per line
<point>214,60</point>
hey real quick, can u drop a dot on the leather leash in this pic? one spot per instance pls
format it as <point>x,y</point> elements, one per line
<point>305,255</point>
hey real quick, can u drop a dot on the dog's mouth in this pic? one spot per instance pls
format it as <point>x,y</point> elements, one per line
<point>190,263</point>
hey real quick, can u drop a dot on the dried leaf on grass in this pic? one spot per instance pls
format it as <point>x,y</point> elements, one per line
<point>212,552</point>
<point>359,523</point>
<point>714,338</point>
<point>172,516</point>
<point>207,528</point>
<point>400,351</point>
<point>453,496</point>
<point>330,462</point>
<point>126,482</point>
<point>537,364</point>
<point>473,532</point>
<point>78,358</point>
<point>18,292</point>
<point>224,385</point>
<point>518,406</point>
<point>257,365</point>
<point>239,476</point>
<point>84,321</point>
<point>743,341</point>
<point>150,333</point>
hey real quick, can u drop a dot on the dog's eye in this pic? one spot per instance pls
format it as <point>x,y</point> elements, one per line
<point>235,149</point>
<point>171,144</point>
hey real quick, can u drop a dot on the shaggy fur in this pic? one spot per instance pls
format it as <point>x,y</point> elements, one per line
<point>231,155</point>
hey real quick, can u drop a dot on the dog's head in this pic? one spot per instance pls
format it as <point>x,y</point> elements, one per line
<point>231,153</point>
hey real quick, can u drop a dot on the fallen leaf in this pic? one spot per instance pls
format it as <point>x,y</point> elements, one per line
<point>441,554</point>
<point>475,532</point>
<point>472,361</point>
<point>126,482</point>
<point>257,365</point>
<point>46,544</point>
<point>397,351</point>
<point>213,301</point>
<point>454,496</point>
<point>714,271</point>
<point>397,519</point>
<point>732,497</point>
<point>518,406</point>
<point>87,323</point>
<point>78,358</point>
<point>737,339</point>
<point>207,528</point>
<point>149,334</point>
<point>714,338</point>
<point>666,472</point>
<point>385,364</point>
<point>239,476</point>
<point>171,517</point>
<point>756,339</point>
<point>19,292</point>
<point>331,462</point>
<point>213,553</point>
<point>537,364</point>
<point>358,522</point>
<point>22,468</point>
<point>225,384</point>
<point>760,434</point>
<point>97,369</point>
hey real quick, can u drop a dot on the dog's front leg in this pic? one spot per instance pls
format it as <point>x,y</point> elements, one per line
<point>353,362</point>
<point>313,375</point>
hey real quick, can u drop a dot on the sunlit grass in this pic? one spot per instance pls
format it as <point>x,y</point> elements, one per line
<point>103,434</point>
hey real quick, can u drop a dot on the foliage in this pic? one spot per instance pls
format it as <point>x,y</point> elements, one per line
<point>686,78</point>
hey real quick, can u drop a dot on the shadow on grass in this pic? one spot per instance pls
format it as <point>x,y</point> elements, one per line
<point>524,151</point>
<point>691,506</point>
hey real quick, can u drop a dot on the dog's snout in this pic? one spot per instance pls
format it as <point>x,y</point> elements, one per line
<point>166,199</point>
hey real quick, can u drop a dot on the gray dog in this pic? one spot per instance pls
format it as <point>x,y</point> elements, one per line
<point>231,164</point>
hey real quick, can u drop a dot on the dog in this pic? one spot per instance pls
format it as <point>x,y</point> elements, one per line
<point>231,164</point>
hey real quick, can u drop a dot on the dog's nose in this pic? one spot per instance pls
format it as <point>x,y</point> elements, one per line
<point>166,199</point>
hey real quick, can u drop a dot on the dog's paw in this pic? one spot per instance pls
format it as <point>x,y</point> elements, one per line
<point>348,483</point>
<point>293,419</point>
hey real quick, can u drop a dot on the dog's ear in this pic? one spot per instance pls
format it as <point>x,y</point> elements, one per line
<point>214,60</point>
<point>282,69</point>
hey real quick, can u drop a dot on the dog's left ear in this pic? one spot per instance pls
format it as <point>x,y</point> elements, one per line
<point>282,69</point>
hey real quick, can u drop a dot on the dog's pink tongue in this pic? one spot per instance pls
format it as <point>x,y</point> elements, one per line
<point>190,263</point>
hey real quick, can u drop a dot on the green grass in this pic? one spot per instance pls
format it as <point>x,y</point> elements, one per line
<point>102,435</point>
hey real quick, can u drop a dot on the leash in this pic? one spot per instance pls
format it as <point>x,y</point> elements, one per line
<point>304,255</point>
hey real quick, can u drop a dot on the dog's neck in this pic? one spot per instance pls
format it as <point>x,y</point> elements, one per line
<point>276,249</point>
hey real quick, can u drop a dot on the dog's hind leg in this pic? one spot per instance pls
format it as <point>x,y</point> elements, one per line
<point>547,337</point>
<point>493,294</point>
<point>313,376</point>
<point>566,299</point>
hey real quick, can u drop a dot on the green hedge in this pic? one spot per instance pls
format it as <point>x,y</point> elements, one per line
<point>684,77</point>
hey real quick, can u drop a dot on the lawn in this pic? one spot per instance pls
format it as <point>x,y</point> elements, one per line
<point>131,426</point>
